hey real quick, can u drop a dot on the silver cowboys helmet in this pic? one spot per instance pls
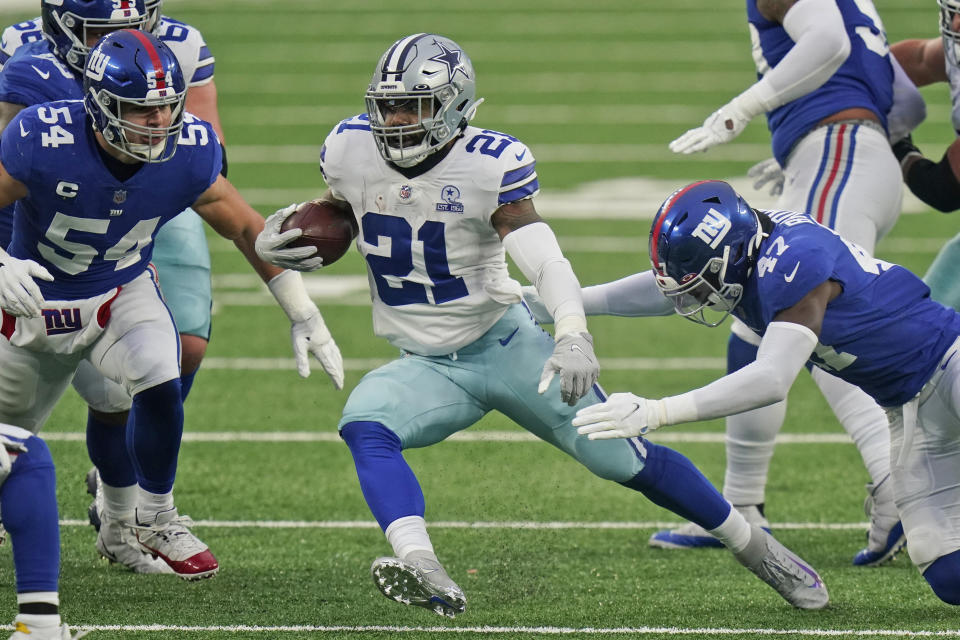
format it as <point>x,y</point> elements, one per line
<point>428,81</point>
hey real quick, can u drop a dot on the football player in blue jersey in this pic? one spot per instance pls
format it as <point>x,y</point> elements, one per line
<point>412,167</point>
<point>816,298</point>
<point>44,61</point>
<point>826,85</point>
<point>936,183</point>
<point>93,181</point>
<point>28,504</point>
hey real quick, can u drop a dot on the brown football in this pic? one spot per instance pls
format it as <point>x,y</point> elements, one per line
<point>325,227</point>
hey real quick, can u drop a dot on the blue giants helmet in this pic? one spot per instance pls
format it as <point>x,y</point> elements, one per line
<point>703,244</point>
<point>71,25</point>
<point>132,69</point>
<point>430,77</point>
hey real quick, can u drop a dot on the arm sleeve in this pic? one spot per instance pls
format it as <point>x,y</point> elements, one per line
<point>935,183</point>
<point>635,295</point>
<point>784,350</point>
<point>821,46</point>
<point>908,109</point>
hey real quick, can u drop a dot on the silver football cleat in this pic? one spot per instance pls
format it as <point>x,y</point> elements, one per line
<point>420,581</point>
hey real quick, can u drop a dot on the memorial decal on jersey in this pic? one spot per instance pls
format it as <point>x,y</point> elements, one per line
<point>451,200</point>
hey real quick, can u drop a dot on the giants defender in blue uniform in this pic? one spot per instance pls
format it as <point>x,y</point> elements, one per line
<point>816,298</point>
<point>94,180</point>
<point>44,62</point>
<point>826,85</point>
<point>413,167</point>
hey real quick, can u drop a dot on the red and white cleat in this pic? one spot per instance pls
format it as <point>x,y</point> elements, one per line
<point>168,538</point>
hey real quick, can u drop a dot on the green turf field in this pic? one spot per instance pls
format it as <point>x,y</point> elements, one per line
<point>541,547</point>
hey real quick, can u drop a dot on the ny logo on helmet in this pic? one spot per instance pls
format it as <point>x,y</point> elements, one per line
<point>97,64</point>
<point>713,229</point>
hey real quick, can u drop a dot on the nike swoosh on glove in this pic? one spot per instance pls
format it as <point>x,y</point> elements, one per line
<point>574,360</point>
<point>271,244</point>
<point>311,337</point>
<point>19,293</point>
<point>623,415</point>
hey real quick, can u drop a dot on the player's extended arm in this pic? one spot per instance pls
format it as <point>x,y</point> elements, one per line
<point>922,60</point>
<point>785,348</point>
<point>636,295</point>
<point>821,45</point>
<point>936,183</point>
<point>228,213</point>
<point>533,247</point>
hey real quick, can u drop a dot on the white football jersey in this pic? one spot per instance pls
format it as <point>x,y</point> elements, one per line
<point>185,41</point>
<point>428,241</point>
<point>950,54</point>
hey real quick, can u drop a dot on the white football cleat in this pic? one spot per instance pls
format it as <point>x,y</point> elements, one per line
<point>117,542</point>
<point>420,581</point>
<point>167,537</point>
<point>885,537</point>
<point>23,631</point>
<point>791,577</point>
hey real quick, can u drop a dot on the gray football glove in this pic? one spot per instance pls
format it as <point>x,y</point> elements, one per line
<point>574,360</point>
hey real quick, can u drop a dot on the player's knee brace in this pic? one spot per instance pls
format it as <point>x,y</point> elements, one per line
<point>670,480</point>
<point>388,484</point>
<point>943,576</point>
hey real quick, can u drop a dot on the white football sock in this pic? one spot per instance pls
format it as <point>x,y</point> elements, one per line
<point>734,532</point>
<point>750,440</point>
<point>862,418</point>
<point>150,504</point>
<point>119,503</point>
<point>408,534</point>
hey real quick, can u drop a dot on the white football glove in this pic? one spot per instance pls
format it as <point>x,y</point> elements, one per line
<point>623,415</point>
<point>311,336</point>
<point>723,125</point>
<point>574,360</point>
<point>19,294</point>
<point>765,172</point>
<point>271,244</point>
<point>535,303</point>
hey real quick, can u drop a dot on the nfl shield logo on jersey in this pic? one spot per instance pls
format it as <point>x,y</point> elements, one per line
<point>405,192</point>
<point>119,196</point>
<point>451,200</point>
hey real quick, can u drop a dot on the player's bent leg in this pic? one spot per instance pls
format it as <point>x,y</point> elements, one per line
<point>193,348</point>
<point>750,438</point>
<point>30,385</point>
<point>943,576</point>
<point>789,575</point>
<point>941,277</point>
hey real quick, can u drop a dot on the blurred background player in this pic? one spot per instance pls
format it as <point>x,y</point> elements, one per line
<point>819,299</point>
<point>28,509</point>
<point>94,297</point>
<point>826,85</point>
<point>44,61</point>
<point>438,203</point>
<point>936,183</point>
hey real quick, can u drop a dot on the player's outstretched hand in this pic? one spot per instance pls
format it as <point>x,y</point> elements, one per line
<point>574,360</point>
<point>767,172</point>
<point>19,294</point>
<point>723,125</point>
<point>623,415</point>
<point>272,246</point>
<point>531,297</point>
<point>311,336</point>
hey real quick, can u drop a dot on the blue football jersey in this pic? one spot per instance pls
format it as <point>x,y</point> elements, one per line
<point>883,333</point>
<point>864,80</point>
<point>92,231</point>
<point>33,75</point>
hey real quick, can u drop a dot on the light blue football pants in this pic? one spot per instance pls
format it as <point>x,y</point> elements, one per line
<point>182,259</point>
<point>943,276</point>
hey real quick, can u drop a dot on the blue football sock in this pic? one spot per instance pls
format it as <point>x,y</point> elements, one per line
<point>388,484</point>
<point>28,508</point>
<point>670,480</point>
<point>107,447</point>
<point>943,576</point>
<point>186,383</point>
<point>154,430</point>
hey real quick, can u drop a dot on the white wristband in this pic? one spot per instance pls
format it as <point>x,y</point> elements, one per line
<point>287,287</point>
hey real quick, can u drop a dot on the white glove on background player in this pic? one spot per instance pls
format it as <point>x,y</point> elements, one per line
<point>271,244</point>
<point>623,415</point>
<point>19,294</point>
<point>723,125</point>
<point>574,360</point>
<point>767,172</point>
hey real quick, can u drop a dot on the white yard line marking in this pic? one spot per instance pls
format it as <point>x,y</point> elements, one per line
<point>672,437</point>
<point>560,631</point>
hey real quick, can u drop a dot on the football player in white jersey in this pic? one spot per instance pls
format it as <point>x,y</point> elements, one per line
<point>438,203</point>
<point>936,183</point>
<point>180,255</point>
<point>826,88</point>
